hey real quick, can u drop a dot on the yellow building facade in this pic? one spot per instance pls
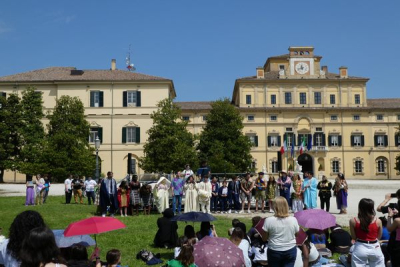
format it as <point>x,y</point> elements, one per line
<point>293,99</point>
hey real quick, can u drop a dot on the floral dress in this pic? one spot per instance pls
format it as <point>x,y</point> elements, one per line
<point>271,189</point>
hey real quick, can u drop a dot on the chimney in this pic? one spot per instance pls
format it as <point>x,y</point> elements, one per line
<point>260,72</point>
<point>343,72</point>
<point>113,64</point>
<point>325,69</point>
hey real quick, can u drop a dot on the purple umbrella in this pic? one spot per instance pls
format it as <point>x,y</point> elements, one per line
<point>217,251</point>
<point>315,219</point>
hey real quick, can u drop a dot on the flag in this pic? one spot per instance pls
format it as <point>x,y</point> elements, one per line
<point>309,144</point>
<point>302,145</point>
<point>284,147</point>
<point>292,150</point>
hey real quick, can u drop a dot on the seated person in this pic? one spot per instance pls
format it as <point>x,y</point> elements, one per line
<point>167,236</point>
<point>113,258</point>
<point>252,233</point>
<point>185,258</point>
<point>206,229</point>
<point>183,240</point>
<point>340,240</point>
<point>234,224</point>
<point>310,254</point>
<point>258,254</point>
<point>317,237</point>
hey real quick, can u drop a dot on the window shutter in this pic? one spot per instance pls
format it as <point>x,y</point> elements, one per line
<point>125,98</point>
<point>314,138</point>
<point>294,139</point>
<point>101,99</point>
<point>375,140</point>
<point>256,141</point>
<point>362,140</point>
<point>269,141</point>
<point>352,140</point>
<point>323,140</point>
<point>138,98</point>
<point>309,139</point>
<point>279,140</point>
<point>100,134</point>
<point>91,99</point>
<point>329,140</point>
<point>339,140</point>
<point>137,130</point>
<point>386,140</point>
<point>123,135</point>
<point>396,139</point>
<point>299,139</point>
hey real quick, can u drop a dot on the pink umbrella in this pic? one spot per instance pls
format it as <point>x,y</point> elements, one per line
<point>315,219</point>
<point>217,251</point>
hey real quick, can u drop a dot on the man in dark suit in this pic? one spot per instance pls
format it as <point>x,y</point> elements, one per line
<point>233,195</point>
<point>108,195</point>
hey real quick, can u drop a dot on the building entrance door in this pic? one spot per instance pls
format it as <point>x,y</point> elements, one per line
<point>306,161</point>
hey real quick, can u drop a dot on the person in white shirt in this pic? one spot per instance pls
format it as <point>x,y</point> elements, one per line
<point>90,185</point>
<point>68,189</point>
<point>187,171</point>
<point>204,195</point>
<point>238,238</point>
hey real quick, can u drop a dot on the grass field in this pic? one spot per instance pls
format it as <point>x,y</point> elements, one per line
<point>138,234</point>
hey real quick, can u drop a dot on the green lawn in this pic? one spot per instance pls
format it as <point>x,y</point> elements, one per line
<point>138,234</point>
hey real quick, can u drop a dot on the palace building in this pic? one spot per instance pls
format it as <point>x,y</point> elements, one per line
<point>291,102</point>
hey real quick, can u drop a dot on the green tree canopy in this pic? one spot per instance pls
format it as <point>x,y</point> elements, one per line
<point>222,142</point>
<point>67,149</point>
<point>169,145</point>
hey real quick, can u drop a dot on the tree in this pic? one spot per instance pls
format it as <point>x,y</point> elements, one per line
<point>10,134</point>
<point>32,132</point>
<point>222,143</point>
<point>67,148</point>
<point>169,146</point>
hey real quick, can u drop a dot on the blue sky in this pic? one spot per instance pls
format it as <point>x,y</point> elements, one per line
<point>203,46</point>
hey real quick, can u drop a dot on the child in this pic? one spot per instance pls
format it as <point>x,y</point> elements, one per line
<point>223,196</point>
<point>123,198</point>
<point>234,225</point>
<point>182,241</point>
<point>185,258</point>
<point>145,192</point>
<point>214,194</point>
<point>113,257</point>
<point>271,189</point>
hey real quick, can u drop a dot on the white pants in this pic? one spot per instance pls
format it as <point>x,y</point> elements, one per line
<point>205,206</point>
<point>367,253</point>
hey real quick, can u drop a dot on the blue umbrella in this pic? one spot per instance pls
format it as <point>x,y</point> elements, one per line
<point>194,217</point>
<point>64,242</point>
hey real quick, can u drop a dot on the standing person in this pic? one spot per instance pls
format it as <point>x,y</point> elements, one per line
<point>393,226</point>
<point>90,185</point>
<point>325,193</point>
<point>280,231</point>
<point>39,189</point>
<point>145,194</point>
<point>123,198</point>
<point>191,203</point>
<point>340,190</point>
<point>68,189</point>
<point>177,188</point>
<point>271,191</point>
<point>187,172</point>
<point>214,194</point>
<point>77,185</point>
<point>30,193</point>
<point>46,187</point>
<point>246,186</point>
<point>108,195</point>
<point>260,191</point>
<point>204,195</point>
<point>366,230</point>
<point>223,196</point>
<point>297,196</point>
<point>284,184</point>
<point>161,194</point>
<point>203,171</point>
<point>135,196</point>
<point>233,194</point>
<point>309,189</point>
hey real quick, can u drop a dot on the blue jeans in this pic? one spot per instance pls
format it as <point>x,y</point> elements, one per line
<point>214,203</point>
<point>282,258</point>
<point>175,198</point>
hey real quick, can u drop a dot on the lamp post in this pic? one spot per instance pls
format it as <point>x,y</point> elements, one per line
<point>97,146</point>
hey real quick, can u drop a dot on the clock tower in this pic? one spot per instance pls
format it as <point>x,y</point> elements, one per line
<point>302,61</point>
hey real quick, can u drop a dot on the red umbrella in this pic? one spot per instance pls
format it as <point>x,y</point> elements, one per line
<point>93,225</point>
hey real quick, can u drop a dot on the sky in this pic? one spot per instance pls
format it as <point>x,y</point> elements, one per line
<point>203,46</point>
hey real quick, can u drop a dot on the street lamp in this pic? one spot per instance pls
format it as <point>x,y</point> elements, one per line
<point>97,146</point>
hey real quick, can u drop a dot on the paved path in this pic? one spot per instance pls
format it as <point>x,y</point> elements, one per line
<point>358,189</point>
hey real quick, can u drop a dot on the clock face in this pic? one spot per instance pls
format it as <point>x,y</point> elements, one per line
<point>302,68</point>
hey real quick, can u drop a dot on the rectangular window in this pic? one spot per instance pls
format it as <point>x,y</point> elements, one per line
<point>332,99</point>
<point>273,118</point>
<point>357,99</point>
<point>381,166</point>
<point>281,67</point>
<point>204,117</point>
<point>96,99</point>
<point>289,139</point>
<point>303,98</point>
<point>289,129</point>
<point>253,140</point>
<point>131,98</point>
<point>334,118</point>
<point>318,129</point>
<point>318,140</point>
<point>274,140</point>
<point>379,117</point>
<point>273,99</point>
<point>317,98</point>
<point>274,167</point>
<point>358,166</point>
<point>357,140</point>
<point>131,134</point>
<point>335,166</point>
<point>380,140</point>
<point>92,136</point>
<point>250,117</point>
<point>248,99</point>
<point>288,98</point>
<point>185,118</point>
<point>356,117</point>
<point>334,140</point>
<point>398,117</point>
<point>3,94</point>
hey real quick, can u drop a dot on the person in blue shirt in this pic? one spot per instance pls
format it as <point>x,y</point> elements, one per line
<point>203,171</point>
<point>385,232</point>
<point>177,188</point>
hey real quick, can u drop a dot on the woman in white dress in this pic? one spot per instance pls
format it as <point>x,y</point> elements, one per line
<point>190,195</point>
<point>161,194</point>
